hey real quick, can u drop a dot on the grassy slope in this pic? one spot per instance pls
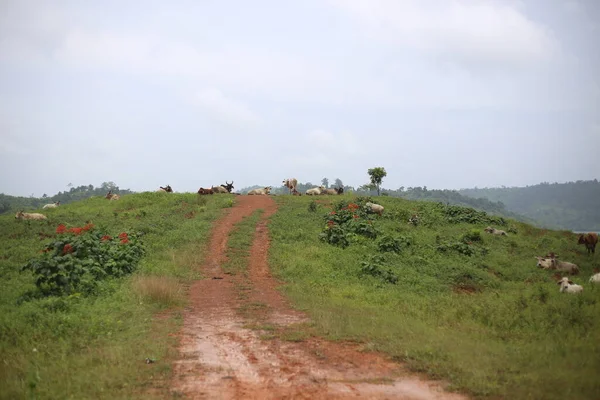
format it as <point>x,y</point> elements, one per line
<point>95,347</point>
<point>516,337</point>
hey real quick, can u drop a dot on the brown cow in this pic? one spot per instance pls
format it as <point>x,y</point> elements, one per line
<point>205,191</point>
<point>590,240</point>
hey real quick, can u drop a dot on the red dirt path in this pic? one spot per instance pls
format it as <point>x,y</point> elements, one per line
<point>222,358</point>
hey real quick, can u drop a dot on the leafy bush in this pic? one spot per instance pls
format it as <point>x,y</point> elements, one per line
<point>458,214</point>
<point>312,206</point>
<point>472,236</point>
<point>335,235</point>
<point>80,257</point>
<point>391,244</point>
<point>346,220</point>
<point>459,247</point>
<point>374,266</point>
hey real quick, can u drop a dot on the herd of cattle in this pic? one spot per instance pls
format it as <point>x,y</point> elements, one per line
<point>548,262</point>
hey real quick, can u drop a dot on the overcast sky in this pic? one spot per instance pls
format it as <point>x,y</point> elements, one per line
<point>446,94</point>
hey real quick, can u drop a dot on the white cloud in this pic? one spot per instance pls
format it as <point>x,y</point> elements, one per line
<point>464,31</point>
<point>225,109</point>
<point>323,148</point>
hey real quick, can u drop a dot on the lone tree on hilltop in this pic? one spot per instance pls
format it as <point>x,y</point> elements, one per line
<point>377,174</point>
<point>325,182</point>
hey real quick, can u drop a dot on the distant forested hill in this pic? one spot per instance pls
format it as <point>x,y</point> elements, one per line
<point>572,205</point>
<point>15,203</point>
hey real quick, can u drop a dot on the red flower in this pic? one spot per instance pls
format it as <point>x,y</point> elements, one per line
<point>61,229</point>
<point>87,227</point>
<point>67,249</point>
<point>123,235</point>
<point>332,213</point>
<point>124,241</point>
<point>76,231</point>
<point>105,238</point>
<point>353,206</point>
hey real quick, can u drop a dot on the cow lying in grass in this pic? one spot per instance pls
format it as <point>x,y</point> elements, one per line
<point>315,191</point>
<point>551,262</point>
<point>34,216</point>
<point>205,191</point>
<point>51,205</point>
<point>495,231</point>
<point>260,192</point>
<point>112,196</point>
<point>567,286</point>
<point>165,189</point>
<point>375,208</point>
<point>333,191</point>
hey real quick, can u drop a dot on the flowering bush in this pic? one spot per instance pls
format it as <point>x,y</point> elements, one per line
<point>345,220</point>
<point>80,257</point>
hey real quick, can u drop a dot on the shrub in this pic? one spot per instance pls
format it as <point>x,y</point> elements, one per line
<point>312,206</point>
<point>458,214</point>
<point>335,235</point>
<point>374,266</point>
<point>390,244</point>
<point>80,257</point>
<point>472,236</point>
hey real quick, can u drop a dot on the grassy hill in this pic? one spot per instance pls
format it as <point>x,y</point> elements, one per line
<point>571,205</point>
<point>443,296</point>
<point>54,346</point>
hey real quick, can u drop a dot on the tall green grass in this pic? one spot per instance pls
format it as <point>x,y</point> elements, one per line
<point>492,324</point>
<point>95,347</point>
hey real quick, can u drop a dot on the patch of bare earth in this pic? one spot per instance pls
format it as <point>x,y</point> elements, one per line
<point>223,358</point>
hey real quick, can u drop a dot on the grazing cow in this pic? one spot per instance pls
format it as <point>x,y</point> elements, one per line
<point>34,216</point>
<point>595,278</point>
<point>414,219</point>
<point>553,263</point>
<point>315,191</point>
<point>205,191</point>
<point>375,208</point>
<point>495,231</point>
<point>291,184</point>
<point>567,286</point>
<point>590,240</point>
<point>51,205</point>
<point>264,191</point>
<point>333,191</point>
<point>112,196</point>
<point>165,189</point>
<point>228,186</point>
<point>219,189</point>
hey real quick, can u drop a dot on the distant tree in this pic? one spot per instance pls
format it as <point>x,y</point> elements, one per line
<point>325,182</point>
<point>44,195</point>
<point>377,174</point>
<point>338,183</point>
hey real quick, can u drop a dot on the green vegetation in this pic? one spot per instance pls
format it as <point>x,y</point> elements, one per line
<point>376,176</point>
<point>443,296</point>
<point>571,205</point>
<point>16,203</point>
<point>239,243</point>
<point>82,343</point>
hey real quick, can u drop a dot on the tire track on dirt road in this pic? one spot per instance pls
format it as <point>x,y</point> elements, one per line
<point>222,358</point>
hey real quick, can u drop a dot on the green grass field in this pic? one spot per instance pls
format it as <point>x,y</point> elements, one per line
<point>85,347</point>
<point>490,323</point>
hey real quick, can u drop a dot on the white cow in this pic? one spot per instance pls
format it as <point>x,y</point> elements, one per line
<point>260,192</point>
<point>34,216</point>
<point>315,191</point>
<point>376,208</point>
<point>51,205</point>
<point>291,184</point>
<point>567,286</point>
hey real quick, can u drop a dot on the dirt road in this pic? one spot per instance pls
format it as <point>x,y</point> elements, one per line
<point>225,356</point>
